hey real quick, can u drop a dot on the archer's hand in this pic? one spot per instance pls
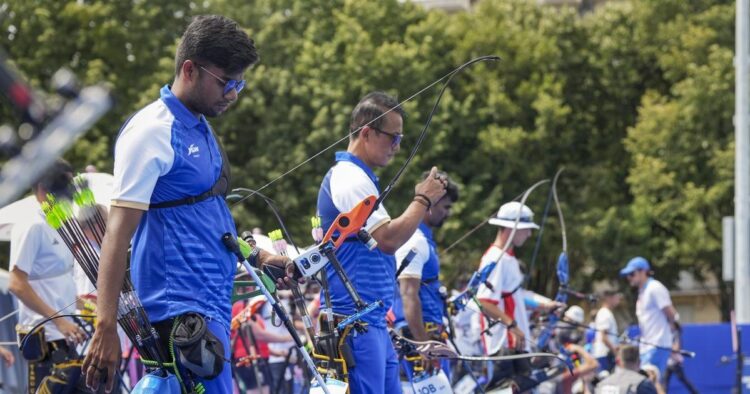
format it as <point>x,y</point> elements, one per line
<point>72,332</point>
<point>433,186</point>
<point>6,355</point>
<point>554,306</point>
<point>289,281</point>
<point>519,338</point>
<point>103,357</point>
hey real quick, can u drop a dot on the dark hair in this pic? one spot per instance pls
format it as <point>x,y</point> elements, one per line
<point>610,293</point>
<point>56,180</point>
<point>452,190</point>
<point>372,107</point>
<point>217,40</point>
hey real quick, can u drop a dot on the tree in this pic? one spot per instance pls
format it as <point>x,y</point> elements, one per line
<point>634,99</point>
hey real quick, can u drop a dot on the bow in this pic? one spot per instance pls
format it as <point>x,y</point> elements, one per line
<point>389,187</point>
<point>438,350</point>
<point>479,277</point>
<point>422,135</point>
<point>562,271</point>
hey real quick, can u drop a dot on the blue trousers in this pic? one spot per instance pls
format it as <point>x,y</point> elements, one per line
<point>376,369</point>
<point>657,358</point>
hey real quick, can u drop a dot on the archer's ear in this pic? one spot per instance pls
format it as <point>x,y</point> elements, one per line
<point>364,132</point>
<point>189,71</point>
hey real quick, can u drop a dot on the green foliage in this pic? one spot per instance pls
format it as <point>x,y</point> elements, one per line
<point>633,99</point>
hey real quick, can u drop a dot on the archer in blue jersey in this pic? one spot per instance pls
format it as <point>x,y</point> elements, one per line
<point>377,129</point>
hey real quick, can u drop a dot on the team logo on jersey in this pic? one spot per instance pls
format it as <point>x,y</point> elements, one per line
<point>193,150</point>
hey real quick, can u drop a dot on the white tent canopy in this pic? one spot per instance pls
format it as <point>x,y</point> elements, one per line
<point>99,182</point>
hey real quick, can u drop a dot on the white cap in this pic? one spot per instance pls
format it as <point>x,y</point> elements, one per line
<point>509,212</point>
<point>575,314</point>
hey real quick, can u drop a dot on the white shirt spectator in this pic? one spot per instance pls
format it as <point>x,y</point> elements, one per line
<point>605,324</point>
<point>38,250</point>
<point>655,328</point>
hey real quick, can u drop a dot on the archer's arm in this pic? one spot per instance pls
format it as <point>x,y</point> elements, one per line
<point>393,234</point>
<point>413,307</point>
<point>113,264</point>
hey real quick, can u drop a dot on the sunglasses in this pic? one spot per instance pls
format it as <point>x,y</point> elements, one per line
<point>395,137</point>
<point>631,274</point>
<point>228,85</point>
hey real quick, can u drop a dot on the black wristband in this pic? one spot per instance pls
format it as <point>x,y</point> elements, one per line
<point>512,324</point>
<point>427,201</point>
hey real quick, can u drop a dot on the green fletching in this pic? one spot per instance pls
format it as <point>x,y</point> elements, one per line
<point>245,247</point>
<point>88,196</point>
<point>64,210</point>
<point>78,198</point>
<point>315,221</point>
<point>79,180</point>
<point>53,221</point>
<point>274,235</point>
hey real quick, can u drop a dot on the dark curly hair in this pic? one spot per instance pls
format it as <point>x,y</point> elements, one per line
<point>217,40</point>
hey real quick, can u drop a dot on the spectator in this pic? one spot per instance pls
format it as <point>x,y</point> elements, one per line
<point>656,315</point>
<point>627,378</point>
<point>605,324</point>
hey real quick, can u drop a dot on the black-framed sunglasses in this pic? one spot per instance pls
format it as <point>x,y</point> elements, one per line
<point>228,85</point>
<point>395,137</point>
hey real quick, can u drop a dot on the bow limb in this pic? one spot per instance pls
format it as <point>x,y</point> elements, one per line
<point>272,206</point>
<point>563,274</point>
<point>423,134</point>
<point>438,350</point>
<point>562,270</point>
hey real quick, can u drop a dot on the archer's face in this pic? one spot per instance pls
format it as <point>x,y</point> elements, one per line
<point>521,236</point>
<point>210,98</point>
<point>382,143</point>
<point>205,86</point>
<point>637,278</point>
<point>439,212</point>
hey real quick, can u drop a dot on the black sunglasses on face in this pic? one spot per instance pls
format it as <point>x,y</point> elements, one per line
<point>395,137</point>
<point>228,85</point>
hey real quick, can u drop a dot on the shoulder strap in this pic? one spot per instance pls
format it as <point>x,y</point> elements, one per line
<point>219,188</point>
<point>509,294</point>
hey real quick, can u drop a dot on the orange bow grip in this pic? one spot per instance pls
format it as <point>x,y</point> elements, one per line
<point>351,222</point>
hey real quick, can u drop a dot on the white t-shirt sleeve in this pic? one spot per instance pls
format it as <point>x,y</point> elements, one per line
<point>143,153</point>
<point>349,186</point>
<point>494,279</point>
<point>422,249</point>
<point>25,241</point>
<point>602,322</point>
<point>661,297</point>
